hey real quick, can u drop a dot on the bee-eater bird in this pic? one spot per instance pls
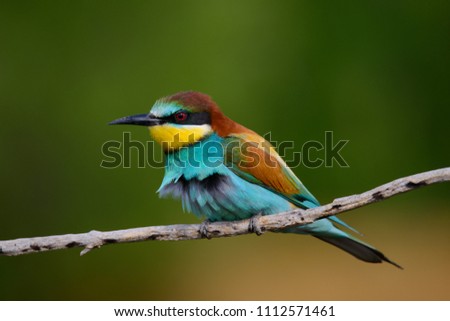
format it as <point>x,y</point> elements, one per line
<point>225,171</point>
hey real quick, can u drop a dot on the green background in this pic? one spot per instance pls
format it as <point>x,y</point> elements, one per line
<point>375,73</point>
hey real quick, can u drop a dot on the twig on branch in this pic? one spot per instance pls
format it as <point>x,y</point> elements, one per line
<point>96,239</point>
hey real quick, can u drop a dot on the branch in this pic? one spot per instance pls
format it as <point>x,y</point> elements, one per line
<point>96,239</point>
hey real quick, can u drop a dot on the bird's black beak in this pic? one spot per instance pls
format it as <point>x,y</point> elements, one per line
<point>141,119</point>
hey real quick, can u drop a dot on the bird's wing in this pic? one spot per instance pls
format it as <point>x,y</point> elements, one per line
<point>254,159</point>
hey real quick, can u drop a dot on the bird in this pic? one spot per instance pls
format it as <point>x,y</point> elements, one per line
<point>223,171</point>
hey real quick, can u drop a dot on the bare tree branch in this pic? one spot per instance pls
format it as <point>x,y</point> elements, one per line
<point>96,239</point>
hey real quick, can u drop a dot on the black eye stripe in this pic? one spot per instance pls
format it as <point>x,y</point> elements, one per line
<point>201,118</point>
<point>198,118</point>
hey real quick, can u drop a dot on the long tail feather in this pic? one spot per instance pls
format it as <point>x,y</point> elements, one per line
<point>357,249</point>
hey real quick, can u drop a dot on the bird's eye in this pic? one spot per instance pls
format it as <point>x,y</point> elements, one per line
<point>181,116</point>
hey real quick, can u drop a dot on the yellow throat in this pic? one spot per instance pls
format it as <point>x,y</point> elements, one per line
<point>173,137</point>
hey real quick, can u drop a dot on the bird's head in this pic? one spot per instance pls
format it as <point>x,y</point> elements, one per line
<point>178,120</point>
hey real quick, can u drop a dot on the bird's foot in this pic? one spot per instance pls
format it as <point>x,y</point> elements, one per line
<point>253,226</point>
<point>203,230</point>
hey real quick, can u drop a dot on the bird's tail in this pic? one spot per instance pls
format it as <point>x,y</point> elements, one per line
<point>357,248</point>
<point>326,231</point>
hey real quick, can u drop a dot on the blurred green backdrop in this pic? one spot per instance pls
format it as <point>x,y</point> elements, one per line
<point>375,73</point>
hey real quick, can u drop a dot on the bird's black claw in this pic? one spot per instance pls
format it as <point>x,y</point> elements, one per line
<point>253,226</point>
<point>203,230</point>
